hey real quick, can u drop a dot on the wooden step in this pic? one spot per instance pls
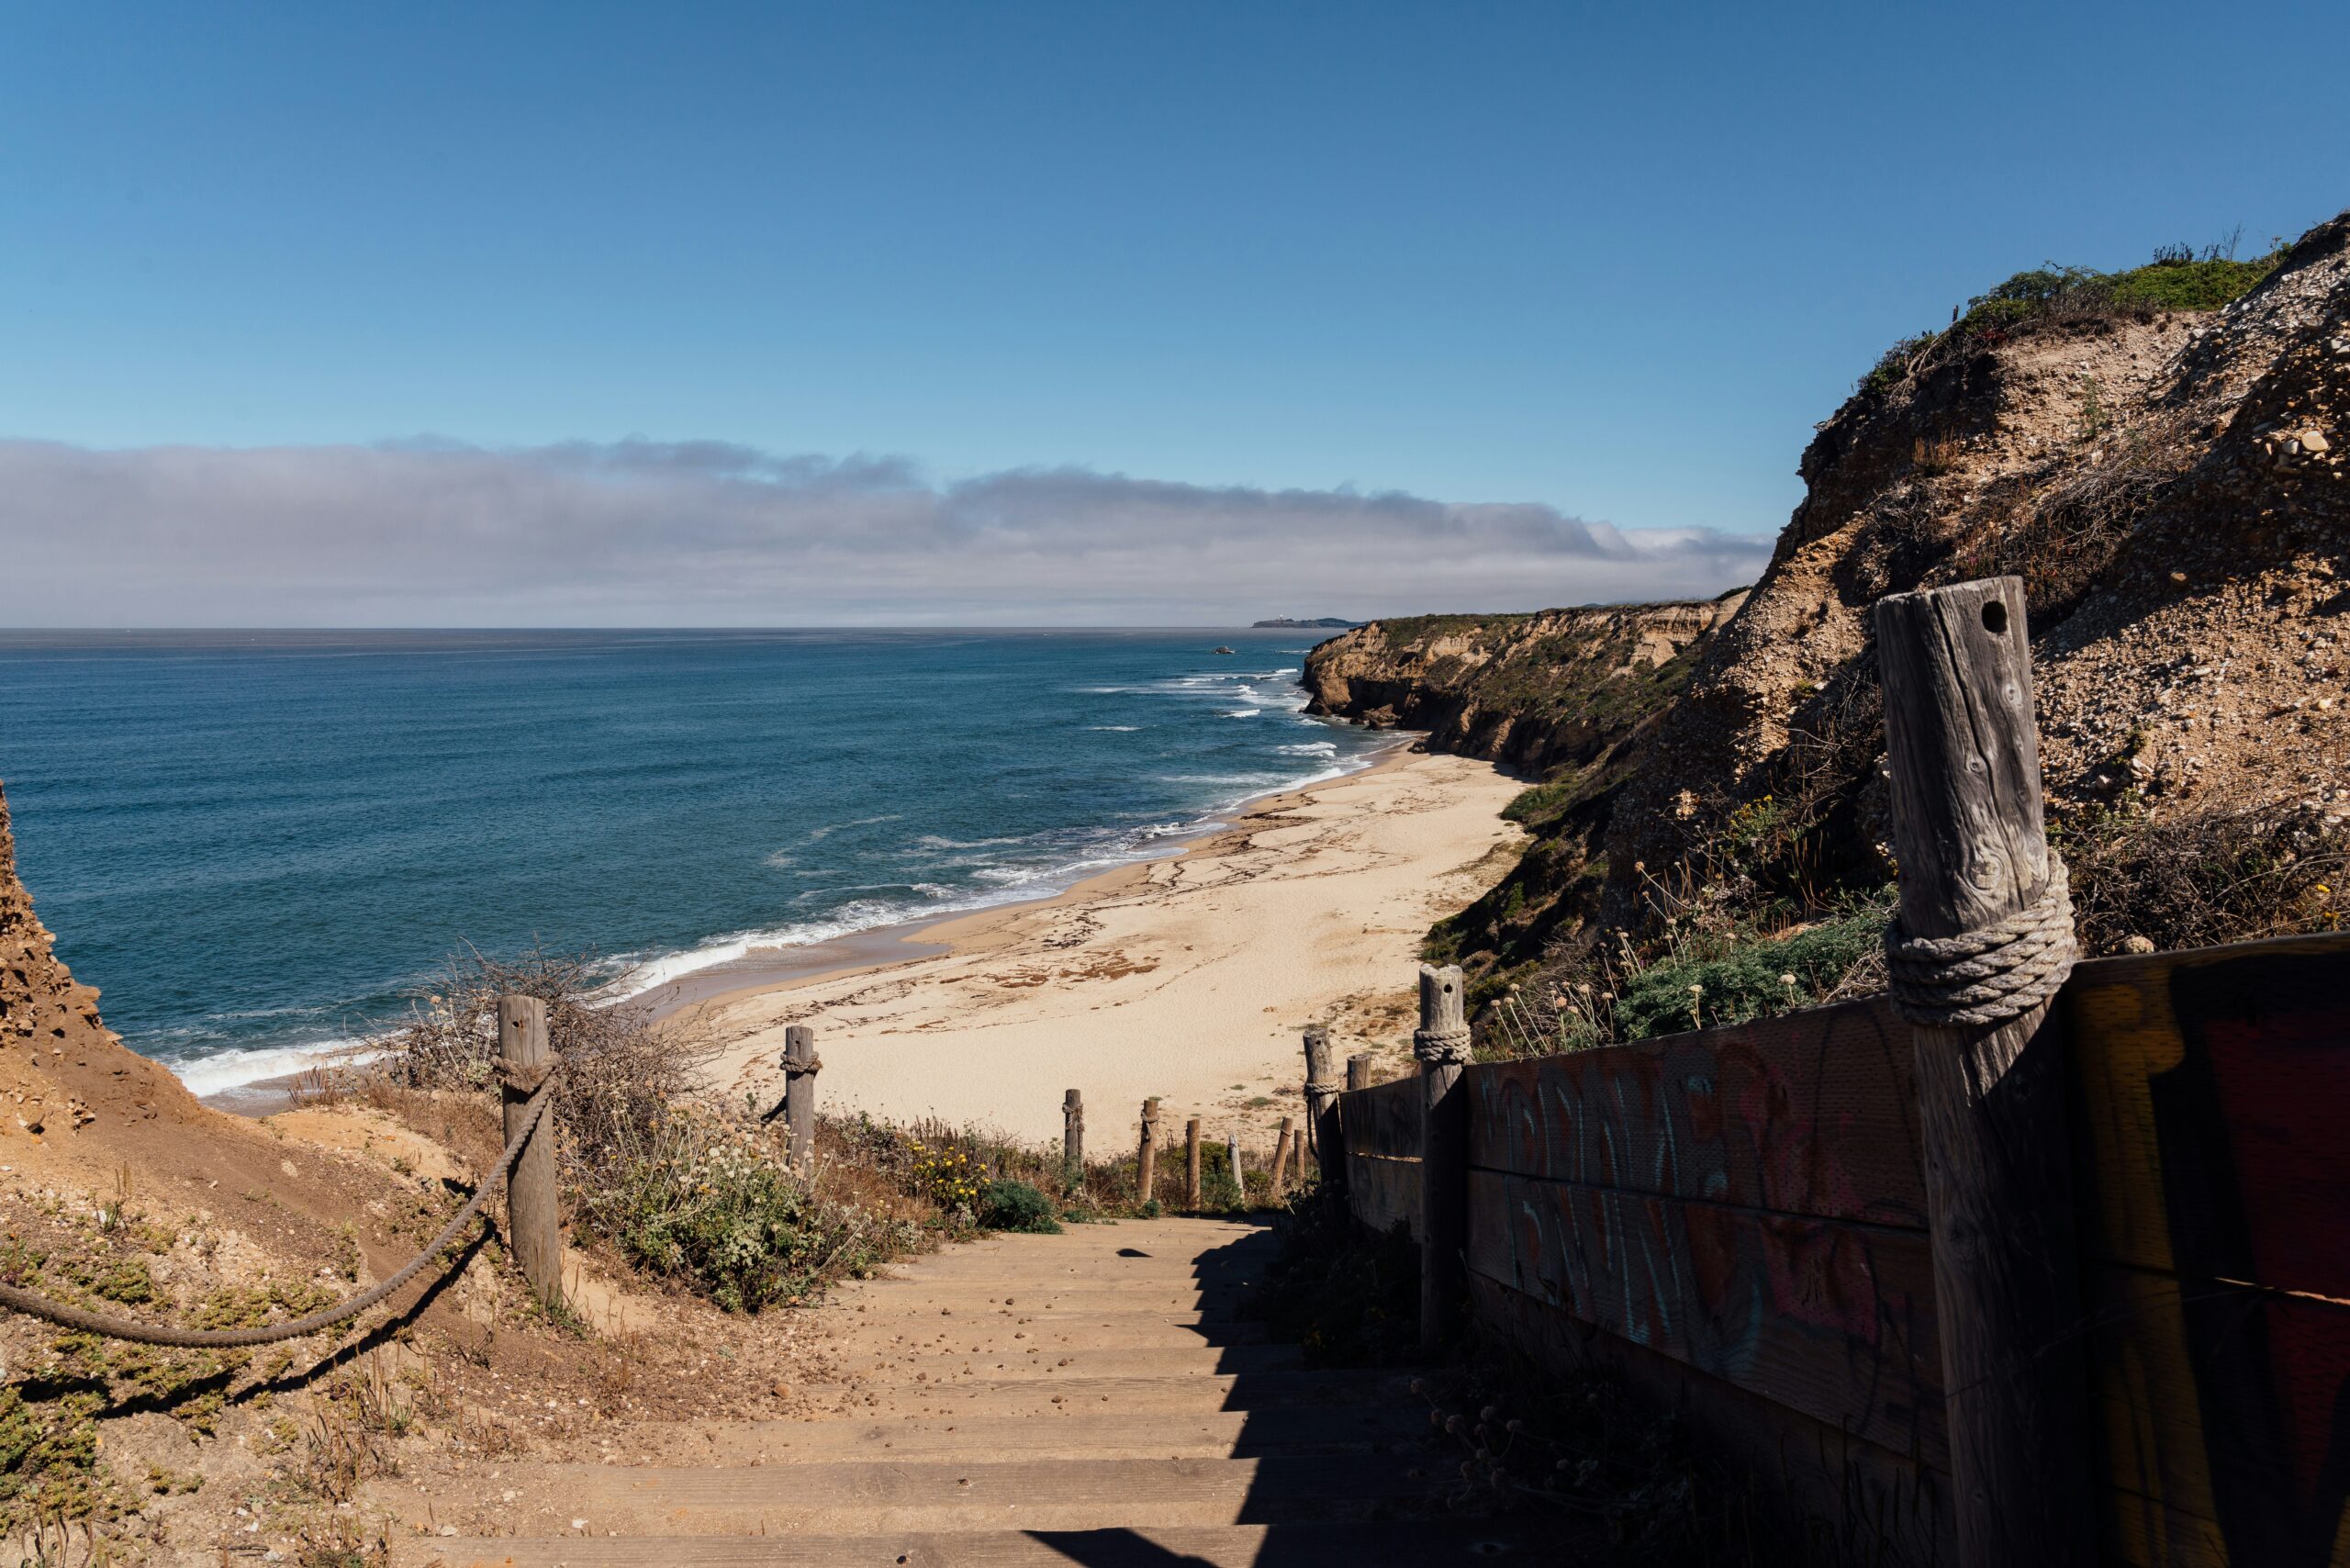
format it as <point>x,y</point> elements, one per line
<point>1191,1395</point>
<point>1093,1329</point>
<point>906,1299</point>
<point>848,1497</point>
<point>902,1364</point>
<point>1447,1544</point>
<point>1070,1433</point>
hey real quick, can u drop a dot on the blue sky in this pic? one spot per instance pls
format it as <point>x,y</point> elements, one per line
<point>1615,263</point>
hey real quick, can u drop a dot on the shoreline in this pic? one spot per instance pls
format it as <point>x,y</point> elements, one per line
<point>1187,976</point>
<point>957,931</point>
<point>876,948</point>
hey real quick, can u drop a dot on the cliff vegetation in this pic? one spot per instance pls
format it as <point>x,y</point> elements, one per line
<point>2157,452</point>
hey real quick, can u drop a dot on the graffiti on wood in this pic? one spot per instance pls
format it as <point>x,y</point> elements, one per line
<point>2215,1094</point>
<point>1812,1113</point>
<point>1827,1317</point>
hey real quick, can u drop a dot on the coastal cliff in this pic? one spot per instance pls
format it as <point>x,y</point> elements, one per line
<point>1534,692</point>
<point>2158,454</point>
<point>1568,698</point>
<point>73,1072</point>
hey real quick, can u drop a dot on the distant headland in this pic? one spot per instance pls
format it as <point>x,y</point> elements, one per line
<point>1284,622</point>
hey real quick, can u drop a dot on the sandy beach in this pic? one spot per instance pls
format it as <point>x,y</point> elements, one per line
<point>1189,978</point>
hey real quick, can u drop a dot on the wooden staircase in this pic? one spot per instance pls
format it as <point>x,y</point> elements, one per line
<point>1087,1399</point>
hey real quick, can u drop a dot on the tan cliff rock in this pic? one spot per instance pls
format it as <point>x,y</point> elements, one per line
<point>2171,489</point>
<point>1534,690</point>
<point>2171,486</point>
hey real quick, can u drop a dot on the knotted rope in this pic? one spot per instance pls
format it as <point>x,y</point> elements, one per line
<point>1989,975</point>
<point>1441,1047</point>
<point>326,1318</point>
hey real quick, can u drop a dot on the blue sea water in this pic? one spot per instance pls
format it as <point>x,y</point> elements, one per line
<point>259,842</point>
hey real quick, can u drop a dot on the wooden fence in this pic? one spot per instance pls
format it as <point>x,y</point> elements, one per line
<point>1736,1220</point>
<point>2028,1266</point>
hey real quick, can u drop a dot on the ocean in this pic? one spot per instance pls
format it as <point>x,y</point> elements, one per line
<point>258,844</point>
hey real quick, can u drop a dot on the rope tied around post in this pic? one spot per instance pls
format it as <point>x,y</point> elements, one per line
<point>523,1078</point>
<point>139,1333</point>
<point>1990,974</point>
<point>1441,1047</point>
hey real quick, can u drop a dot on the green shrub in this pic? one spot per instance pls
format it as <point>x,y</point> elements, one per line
<point>1008,1204</point>
<point>1544,800</point>
<point>2176,279</point>
<point>49,1470</point>
<point>1742,980</point>
<point>712,1208</point>
<point>2177,284</point>
<point>1897,362</point>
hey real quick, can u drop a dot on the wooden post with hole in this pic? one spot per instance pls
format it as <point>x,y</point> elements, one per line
<point>1072,1139</point>
<point>533,1226</point>
<point>1322,1129</point>
<point>1441,1044</point>
<point>1358,1071</point>
<point>1192,1164</point>
<point>799,1068</point>
<point>1147,1156</point>
<point>1965,755</point>
<point>1281,1153</point>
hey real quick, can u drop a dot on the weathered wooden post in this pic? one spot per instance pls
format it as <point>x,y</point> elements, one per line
<point>800,1066</point>
<point>1072,1139</point>
<point>1358,1071</point>
<point>1982,944</point>
<point>534,1227</point>
<point>1232,1162</point>
<point>1441,1044</point>
<point>1297,1161</point>
<point>1281,1153</point>
<point>1322,1129</point>
<point>1146,1158</point>
<point>1192,1164</point>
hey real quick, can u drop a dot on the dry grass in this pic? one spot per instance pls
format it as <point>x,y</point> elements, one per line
<point>2230,876</point>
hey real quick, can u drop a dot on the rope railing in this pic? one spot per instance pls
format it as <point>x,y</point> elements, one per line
<point>64,1316</point>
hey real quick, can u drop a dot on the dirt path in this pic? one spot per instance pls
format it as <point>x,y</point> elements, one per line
<point>1088,1398</point>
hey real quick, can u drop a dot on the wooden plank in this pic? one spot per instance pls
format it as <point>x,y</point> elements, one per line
<point>2212,1090</point>
<point>2142,1533</point>
<point>2215,1088</point>
<point>1822,1493</point>
<point>2229,1406</point>
<point>1383,1193</point>
<point>1809,1114</point>
<point>1827,1317</point>
<point>1384,1119</point>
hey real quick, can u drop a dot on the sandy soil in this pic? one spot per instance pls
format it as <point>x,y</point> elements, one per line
<point>1188,977</point>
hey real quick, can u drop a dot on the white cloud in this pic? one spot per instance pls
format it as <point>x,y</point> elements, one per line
<point>706,534</point>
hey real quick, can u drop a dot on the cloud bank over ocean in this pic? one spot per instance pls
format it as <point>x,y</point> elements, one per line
<point>640,532</point>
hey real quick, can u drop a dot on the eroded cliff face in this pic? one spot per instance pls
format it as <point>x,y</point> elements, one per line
<point>72,1095</point>
<point>1538,691</point>
<point>1568,697</point>
<point>2170,485</point>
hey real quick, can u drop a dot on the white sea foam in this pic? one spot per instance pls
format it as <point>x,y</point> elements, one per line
<point>1114,729</point>
<point>1310,748</point>
<point>235,1069</point>
<point>1244,713</point>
